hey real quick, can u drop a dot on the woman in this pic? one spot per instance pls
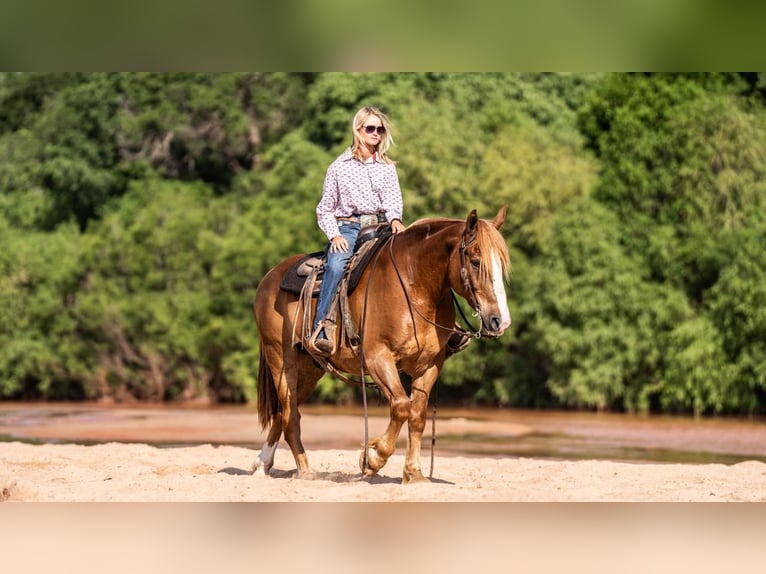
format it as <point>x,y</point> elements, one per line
<point>360,183</point>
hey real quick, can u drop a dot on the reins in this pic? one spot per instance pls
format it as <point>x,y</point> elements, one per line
<point>464,275</point>
<point>436,385</point>
<point>477,334</point>
<point>466,282</point>
<point>327,365</point>
<point>362,362</point>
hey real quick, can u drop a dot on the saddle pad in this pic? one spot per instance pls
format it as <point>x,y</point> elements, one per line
<point>292,282</point>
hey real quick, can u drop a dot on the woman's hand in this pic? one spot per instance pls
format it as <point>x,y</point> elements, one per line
<point>338,244</point>
<point>397,226</point>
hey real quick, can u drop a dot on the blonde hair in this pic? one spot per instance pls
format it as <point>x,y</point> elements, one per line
<point>386,139</point>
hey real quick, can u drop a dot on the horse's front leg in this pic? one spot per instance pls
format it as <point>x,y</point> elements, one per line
<point>421,390</point>
<point>380,449</point>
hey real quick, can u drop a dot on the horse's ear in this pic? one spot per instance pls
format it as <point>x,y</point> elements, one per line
<point>470,223</point>
<point>500,217</point>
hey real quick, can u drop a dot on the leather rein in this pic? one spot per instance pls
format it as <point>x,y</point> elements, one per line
<point>465,276</point>
<point>467,283</point>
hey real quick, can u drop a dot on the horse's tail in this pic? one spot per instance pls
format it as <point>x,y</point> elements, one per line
<point>268,402</point>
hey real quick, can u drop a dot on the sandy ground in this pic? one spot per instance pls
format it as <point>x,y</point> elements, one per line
<point>217,471</point>
<point>138,472</point>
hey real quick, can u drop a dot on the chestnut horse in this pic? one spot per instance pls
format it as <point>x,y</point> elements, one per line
<point>405,306</point>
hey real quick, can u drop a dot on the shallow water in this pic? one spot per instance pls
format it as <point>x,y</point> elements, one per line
<point>465,432</point>
<point>572,435</point>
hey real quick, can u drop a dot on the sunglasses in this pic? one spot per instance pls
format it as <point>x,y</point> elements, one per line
<point>372,129</point>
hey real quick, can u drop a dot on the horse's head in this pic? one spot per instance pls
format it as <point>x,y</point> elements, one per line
<point>484,266</point>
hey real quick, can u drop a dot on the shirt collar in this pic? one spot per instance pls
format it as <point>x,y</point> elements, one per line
<point>347,155</point>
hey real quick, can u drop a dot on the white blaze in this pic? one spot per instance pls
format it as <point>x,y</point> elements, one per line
<point>499,288</point>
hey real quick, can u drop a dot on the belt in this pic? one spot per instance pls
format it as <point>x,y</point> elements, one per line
<point>364,219</point>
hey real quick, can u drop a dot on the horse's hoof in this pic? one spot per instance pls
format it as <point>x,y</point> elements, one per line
<point>413,477</point>
<point>260,469</point>
<point>374,462</point>
<point>306,475</point>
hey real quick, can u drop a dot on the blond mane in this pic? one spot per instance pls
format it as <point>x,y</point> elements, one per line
<point>488,238</point>
<point>490,241</point>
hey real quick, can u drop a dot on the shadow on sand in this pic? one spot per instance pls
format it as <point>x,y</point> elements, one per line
<point>338,477</point>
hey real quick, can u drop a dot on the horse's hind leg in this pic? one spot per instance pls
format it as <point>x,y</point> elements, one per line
<point>265,459</point>
<point>295,385</point>
<point>287,421</point>
<point>291,423</point>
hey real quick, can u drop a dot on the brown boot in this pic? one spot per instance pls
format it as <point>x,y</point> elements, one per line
<point>319,344</point>
<point>458,341</point>
<point>324,346</point>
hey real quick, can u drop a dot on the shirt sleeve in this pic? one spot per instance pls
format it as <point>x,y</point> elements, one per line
<point>392,195</point>
<point>326,207</point>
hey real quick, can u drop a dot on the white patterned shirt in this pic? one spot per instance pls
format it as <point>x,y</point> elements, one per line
<point>355,187</point>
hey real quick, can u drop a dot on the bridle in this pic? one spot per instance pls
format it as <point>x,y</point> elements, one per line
<point>465,277</point>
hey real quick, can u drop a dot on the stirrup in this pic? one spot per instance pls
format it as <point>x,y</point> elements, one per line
<point>323,347</point>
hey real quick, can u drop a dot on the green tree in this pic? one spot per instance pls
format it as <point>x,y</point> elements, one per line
<point>590,311</point>
<point>83,137</point>
<point>203,126</point>
<point>680,164</point>
<point>736,304</point>
<point>139,212</point>
<point>533,173</point>
<point>697,375</point>
<point>166,299</point>
<point>41,355</point>
<point>66,146</point>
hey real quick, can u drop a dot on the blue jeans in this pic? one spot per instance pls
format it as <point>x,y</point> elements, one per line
<point>334,268</point>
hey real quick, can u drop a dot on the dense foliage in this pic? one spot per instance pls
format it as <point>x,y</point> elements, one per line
<point>138,213</point>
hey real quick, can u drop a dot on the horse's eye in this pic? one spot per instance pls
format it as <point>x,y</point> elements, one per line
<point>476,263</point>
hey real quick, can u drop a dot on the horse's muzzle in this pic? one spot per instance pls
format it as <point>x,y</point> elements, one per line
<point>494,325</point>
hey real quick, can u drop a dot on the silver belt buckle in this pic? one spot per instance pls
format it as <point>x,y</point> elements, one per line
<point>365,220</point>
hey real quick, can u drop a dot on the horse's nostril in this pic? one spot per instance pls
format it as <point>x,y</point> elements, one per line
<point>495,323</point>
